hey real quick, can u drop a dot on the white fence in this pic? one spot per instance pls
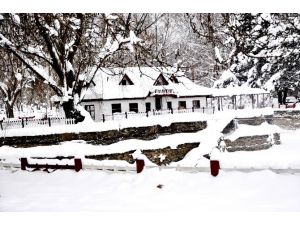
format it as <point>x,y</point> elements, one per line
<point>131,169</point>
<point>54,121</point>
<point>127,115</point>
<point>30,122</point>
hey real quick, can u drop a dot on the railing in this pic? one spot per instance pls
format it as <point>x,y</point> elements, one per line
<point>29,122</point>
<point>129,169</point>
<point>127,115</point>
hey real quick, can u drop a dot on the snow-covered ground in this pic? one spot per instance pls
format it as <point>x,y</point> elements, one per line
<point>101,191</point>
<point>92,190</point>
<point>190,192</point>
<point>163,120</point>
<point>208,139</point>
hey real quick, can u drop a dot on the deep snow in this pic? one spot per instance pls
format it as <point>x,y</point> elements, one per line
<point>91,190</point>
<point>186,192</point>
<point>102,191</point>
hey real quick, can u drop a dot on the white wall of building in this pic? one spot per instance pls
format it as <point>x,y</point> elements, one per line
<point>105,107</point>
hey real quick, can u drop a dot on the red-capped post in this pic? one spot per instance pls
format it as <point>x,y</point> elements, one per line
<point>140,163</point>
<point>214,162</point>
<point>214,167</point>
<point>24,163</point>
<point>78,165</point>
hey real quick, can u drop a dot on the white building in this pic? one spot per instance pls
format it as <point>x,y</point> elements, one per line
<point>143,89</point>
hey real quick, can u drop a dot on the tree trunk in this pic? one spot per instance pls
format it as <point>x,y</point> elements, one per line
<point>9,110</point>
<point>285,95</point>
<point>279,94</point>
<point>71,112</point>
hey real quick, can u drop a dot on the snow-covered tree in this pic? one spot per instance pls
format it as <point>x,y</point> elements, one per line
<point>208,41</point>
<point>73,46</point>
<point>13,80</point>
<point>265,52</point>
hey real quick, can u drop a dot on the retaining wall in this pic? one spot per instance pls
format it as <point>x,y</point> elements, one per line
<point>106,137</point>
<point>252,143</point>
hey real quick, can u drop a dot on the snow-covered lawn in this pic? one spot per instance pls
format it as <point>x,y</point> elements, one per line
<point>101,191</point>
<point>91,190</point>
<point>283,156</point>
<point>105,191</point>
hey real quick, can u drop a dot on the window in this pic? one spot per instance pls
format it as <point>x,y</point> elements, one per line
<point>161,80</point>
<point>91,110</point>
<point>169,105</point>
<point>126,80</point>
<point>133,107</point>
<point>116,108</point>
<point>174,79</point>
<point>148,106</point>
<point>182,105</point>
<point>196,104</point>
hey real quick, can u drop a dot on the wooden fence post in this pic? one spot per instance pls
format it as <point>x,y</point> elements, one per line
<point>49,122</point>
<point>214,167</point>
<point>24,163</point>
<point>78,164</point>
<point>140,163</point>
<point>103,118</point>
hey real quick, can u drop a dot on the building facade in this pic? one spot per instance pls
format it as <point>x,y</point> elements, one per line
<point>140,90</point>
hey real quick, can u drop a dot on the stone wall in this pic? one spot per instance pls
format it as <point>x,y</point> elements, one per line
<point>255,121</point>
<point>252,143</point>
<point>154,155</point>
<point>230,127</point>
<point>287,119</point>
<point>287,113</point>
<point>106,137</point>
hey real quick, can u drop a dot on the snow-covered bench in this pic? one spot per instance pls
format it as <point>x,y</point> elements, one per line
<point>77,165</point>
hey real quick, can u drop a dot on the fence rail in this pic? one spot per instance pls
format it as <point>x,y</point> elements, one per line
<point>30,122</point>
<point>128,169</point>
<point>127,115</point>
<point>54,121</point>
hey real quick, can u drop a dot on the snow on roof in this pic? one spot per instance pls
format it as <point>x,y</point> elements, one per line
<point>107,84</point>
<point>238,90</point>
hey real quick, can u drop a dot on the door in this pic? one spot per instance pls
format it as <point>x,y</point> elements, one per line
<point>157,103</point>
<point>169,105</point>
